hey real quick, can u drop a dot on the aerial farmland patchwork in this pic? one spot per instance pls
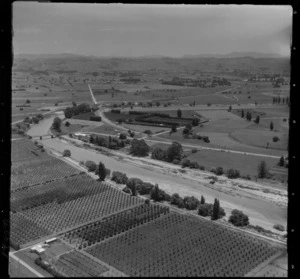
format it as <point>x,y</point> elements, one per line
<point>148,166</point>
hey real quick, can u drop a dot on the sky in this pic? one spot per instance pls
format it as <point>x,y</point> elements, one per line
<point>145,30</point>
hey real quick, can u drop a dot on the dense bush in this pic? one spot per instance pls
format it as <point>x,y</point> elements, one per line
<point>174,152</point>
<point>185,163</point>
<point>75,110</point>
<point>56,124</point>
<point>206,139</point>
<point>159,195</point>
<point>139,148</point>
<point>119,177</point>
<point>159,154</point>
<point>67,153</point>
<point>91,166</point>
<point>194,165</point>
<point>194,150</point>
<point>238,218</point>
<point>205,209</point>
<point>67,124</point>
<point>177,200</point>
<point>279,227</point>
<point>219,171</point>
<point>123,136</point>
<point>276,139</point>
<point>115,111</point>
<point>191,203</point>
<point>95,118</point>
<point>233,173</point>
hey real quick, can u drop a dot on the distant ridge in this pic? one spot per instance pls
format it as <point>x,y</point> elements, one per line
<point>188,56</point>
<point>237,54</point>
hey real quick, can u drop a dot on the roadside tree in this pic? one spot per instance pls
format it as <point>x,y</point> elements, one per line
<point>238,218</point>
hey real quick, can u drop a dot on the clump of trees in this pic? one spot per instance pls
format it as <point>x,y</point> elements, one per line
<point>279,227</point>
<point>77,109</point>
<point>91,166</point>
<point>110,142</point>
<point>139,148</point>
<point>177,200</point>
<point>271,126</point>
<point>174,152</point>
<point>119,177</point>
<point>159,195</point>
<point>233,173</point>
<point>249,116</point>
<point>217,211</point>
<point>191,203</point>
<point>205,209</point>
<point>56,125</point>
<point>238,218</point>
<point>95,118</point>
<point>219,171</point>
<point>67,153</point>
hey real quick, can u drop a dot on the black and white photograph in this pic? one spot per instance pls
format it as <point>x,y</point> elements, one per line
<point>149,140</point>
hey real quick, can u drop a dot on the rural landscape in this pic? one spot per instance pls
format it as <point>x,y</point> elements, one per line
<point>149,166</point>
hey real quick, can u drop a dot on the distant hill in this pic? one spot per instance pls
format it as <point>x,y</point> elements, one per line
<point>82,63</point>
<point>237,55</point>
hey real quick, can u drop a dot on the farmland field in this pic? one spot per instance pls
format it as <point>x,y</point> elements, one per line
<point>102,231</point>
<point>107,227</point>
<point>245,163</point>
<point>54,213</point>
<point>37,172</point>
<point>179,245</point>
<point>76,264</point>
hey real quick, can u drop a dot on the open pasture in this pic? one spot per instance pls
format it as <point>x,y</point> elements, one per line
<point>246,164</point>
<point>261,138</point>
<point>181,245</point>
<point>103,129</point>
<point>24,150</point>
<point>206,100</point>
<point>142,128</point>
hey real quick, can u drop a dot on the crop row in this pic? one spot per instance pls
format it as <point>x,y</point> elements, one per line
<point>56,217</point>
<point>40,172</point>
<point>76,264</point>
<point>115,224</point>
<point>180,245</point>
<point>23,230</point>
<point>59,191</point>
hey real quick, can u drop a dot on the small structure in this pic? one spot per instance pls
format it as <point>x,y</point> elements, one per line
<point>38,249</point>
<point>50,240</point>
